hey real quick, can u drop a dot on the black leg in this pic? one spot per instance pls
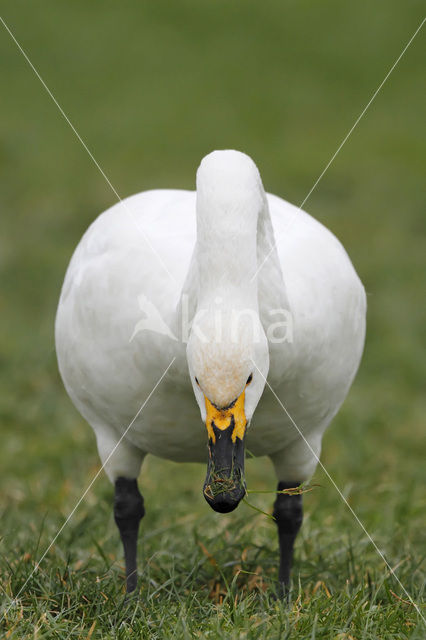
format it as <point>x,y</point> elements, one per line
<point>288,514</point>
<point>128,511</point>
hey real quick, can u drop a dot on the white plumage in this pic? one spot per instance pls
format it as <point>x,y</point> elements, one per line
<point>211,242</point>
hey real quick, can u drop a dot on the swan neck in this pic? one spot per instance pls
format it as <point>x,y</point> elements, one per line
<point>227,259</point>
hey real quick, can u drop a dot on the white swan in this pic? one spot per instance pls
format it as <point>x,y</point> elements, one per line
<point>298,320</point>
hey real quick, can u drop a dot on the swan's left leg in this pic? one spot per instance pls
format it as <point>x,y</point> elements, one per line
<point>295,464</point>
<point>288,514</point>
<point>122,462</point>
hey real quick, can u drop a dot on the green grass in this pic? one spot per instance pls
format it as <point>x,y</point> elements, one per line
<point>151,88</point>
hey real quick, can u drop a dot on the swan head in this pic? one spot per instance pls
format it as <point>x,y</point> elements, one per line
<point>228,371</point>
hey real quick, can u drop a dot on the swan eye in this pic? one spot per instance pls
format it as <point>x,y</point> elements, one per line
<point>196,380</point>
<point>249,379</point>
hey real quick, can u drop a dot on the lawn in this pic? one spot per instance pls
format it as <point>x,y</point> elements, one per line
<point>151,87</point>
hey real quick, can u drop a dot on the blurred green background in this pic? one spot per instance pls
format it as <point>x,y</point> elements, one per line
<point>151,88</point>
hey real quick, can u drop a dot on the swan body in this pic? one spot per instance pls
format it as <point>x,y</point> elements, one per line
<point>108,376</point>
<point>152,264</point>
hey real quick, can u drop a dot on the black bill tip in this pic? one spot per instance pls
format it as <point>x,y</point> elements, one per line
<point>224,487</point>
<point>224,502</point>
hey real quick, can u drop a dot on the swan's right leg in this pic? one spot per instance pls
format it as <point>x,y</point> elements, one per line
<point>122,462</point>
<point>128,511</point>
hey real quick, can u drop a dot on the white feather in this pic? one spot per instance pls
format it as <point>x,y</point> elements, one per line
<point>212,242</point>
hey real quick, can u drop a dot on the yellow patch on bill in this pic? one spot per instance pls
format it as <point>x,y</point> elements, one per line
<point>222,418</point>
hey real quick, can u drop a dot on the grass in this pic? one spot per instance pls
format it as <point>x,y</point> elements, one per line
<point>152,87</point>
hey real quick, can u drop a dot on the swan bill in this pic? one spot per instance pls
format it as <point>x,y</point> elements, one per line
<point>224,486</point>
